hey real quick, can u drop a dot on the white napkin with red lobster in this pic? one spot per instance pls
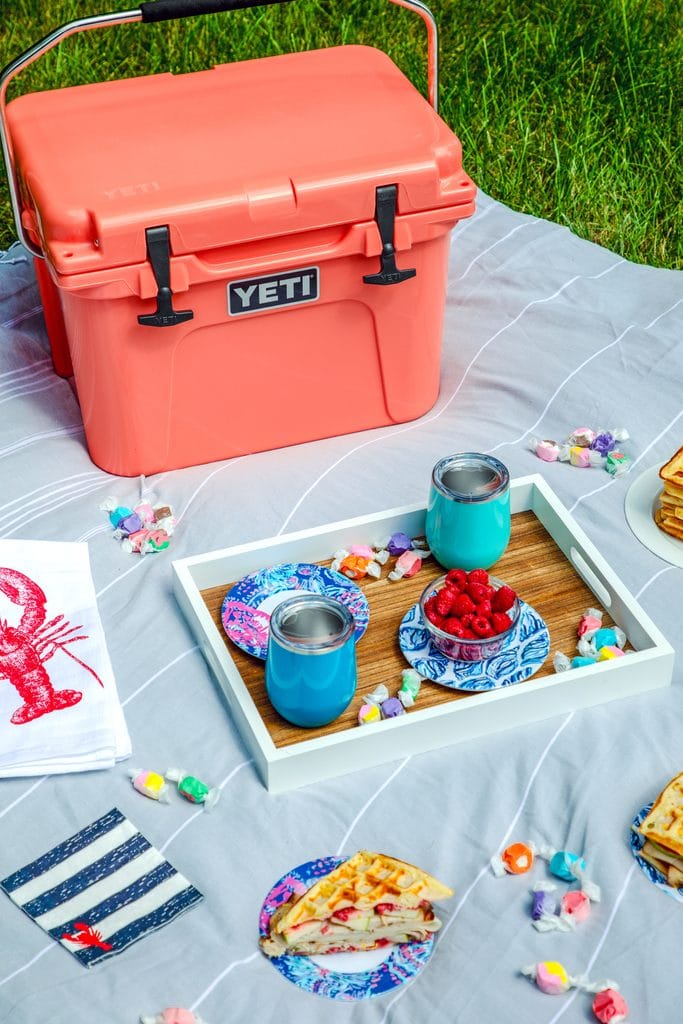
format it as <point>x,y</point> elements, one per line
<point>59,707</point>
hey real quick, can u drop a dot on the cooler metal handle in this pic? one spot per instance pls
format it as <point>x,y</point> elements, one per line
<point>161,10</point>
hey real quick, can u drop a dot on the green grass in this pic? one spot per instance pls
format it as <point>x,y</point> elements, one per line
<point>569,110</point>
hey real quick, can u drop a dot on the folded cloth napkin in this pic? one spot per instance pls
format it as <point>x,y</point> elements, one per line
<point>101,890</point>
<point>59,707</point>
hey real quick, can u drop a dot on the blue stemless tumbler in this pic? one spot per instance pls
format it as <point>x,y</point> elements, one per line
<point>468,515</point>
<point>311,660</point>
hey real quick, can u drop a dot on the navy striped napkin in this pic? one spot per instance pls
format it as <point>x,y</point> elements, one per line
<point>101,890</point>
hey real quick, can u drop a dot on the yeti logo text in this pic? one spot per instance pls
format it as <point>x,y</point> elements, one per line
<point>254,294</point>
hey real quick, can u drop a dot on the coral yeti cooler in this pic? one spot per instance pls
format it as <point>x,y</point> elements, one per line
<point>242,258</point>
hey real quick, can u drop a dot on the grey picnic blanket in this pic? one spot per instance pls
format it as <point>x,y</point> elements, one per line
<point>544,332</point>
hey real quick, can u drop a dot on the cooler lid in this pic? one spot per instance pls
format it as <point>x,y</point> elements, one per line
<point>236,153</point>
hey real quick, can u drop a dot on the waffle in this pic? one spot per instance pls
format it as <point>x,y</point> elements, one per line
<point>664,824</point>
<point>672,471</point>
<point>666,865</point>
<point>363,881</point>
<point>669,514</point>
<point>370,900</point>
<point>671,511</point>
<point>669,523</point>
<point>663,833</point>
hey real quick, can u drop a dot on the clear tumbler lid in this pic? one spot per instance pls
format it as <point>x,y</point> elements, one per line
<point>470,476</point>
<point>311,624</point>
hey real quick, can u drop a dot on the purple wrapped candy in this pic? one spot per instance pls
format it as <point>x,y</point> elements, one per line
<point>603,443</point>
<point>392,708</point>
<point>544,905</point>
<point>130,524</point>
<point>398,543</point>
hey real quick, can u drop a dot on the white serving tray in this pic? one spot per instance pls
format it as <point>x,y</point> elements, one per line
<point>649,666</point>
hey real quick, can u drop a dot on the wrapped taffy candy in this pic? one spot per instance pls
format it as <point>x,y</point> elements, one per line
<point>551,977</point>
<point>192,788</point>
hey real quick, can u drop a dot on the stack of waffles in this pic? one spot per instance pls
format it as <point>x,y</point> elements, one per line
<point>369,900</point>
<point>669,516</point>
<point>663,833</point>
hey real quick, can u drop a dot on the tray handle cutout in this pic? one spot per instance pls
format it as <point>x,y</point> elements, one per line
<point>590,578</point>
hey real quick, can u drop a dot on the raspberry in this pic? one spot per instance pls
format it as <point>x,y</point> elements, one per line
<point>478,576</point>
<point>430,610</point>
<point>466,619</point>
<point>457,578</point>
<point>484,608</point>
<point>462,605</point>
<point>469,635</point>
<point>444,601</point>
<point>500,622</point>
<point>477,591</point>
<point>481,626</point>
<point>437,620</point>
<point>454,627</point>
<point>503,599</point>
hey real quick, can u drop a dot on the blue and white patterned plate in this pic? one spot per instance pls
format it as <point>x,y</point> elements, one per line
<point>521,655</point>
<point>248,604</point>
<point>346,976</point>
<point>656,877</point>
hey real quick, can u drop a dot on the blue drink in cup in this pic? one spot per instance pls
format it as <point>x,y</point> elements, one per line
<point>311,659</point>
<point>468,515</point>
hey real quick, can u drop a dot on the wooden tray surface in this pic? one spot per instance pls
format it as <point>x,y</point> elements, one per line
<point>533,565</point>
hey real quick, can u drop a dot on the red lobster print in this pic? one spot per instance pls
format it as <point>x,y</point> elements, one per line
<point>84,935</point>
<point>25,647</point>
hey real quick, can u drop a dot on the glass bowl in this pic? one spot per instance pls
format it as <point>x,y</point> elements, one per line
<point>466,649</point>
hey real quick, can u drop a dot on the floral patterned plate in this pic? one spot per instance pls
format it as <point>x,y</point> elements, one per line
<point>656,877</point>
<point>248,604</point>
<point>346,976</point>
<point>521,655</point>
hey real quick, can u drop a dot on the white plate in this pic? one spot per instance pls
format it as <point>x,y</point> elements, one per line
<point>639,505</point>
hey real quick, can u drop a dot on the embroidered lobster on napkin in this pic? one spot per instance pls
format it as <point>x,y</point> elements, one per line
<point>84,935</point>
<point>24,649</point>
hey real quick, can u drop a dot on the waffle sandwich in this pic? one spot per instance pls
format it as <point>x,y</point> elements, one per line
<point>662,830</point>
<point>368,901</point>
<point>669,514</point>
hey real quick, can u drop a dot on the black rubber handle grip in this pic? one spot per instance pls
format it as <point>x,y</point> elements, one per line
<point>167,10</point>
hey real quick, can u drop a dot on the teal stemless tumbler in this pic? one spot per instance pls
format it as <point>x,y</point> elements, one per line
<point>468,515</point>
<point>311,659</point>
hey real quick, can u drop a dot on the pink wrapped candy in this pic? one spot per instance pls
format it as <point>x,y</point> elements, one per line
<point>610,1007</point>
<point>589,623</point>
<point>548,450</point>
<point>362,550</point>
<point>579,456</point>
<point>552,978</point>
<point>369,713</point>
<point>172,1015</point>
<point>575,906</point>
<point>610,651</point>
<point>582,436</point>
<point>407,564</point>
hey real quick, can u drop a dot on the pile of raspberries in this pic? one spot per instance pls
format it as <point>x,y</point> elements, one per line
<point>468,607</point>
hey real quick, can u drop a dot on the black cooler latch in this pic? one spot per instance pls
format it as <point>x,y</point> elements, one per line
<point>159,255</point>
<point>385,216</point>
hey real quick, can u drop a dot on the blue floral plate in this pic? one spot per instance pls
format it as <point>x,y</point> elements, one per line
<point>346,976</point>
<point>248,604</point>
<point>656,877</point>
<point>521,655</point>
